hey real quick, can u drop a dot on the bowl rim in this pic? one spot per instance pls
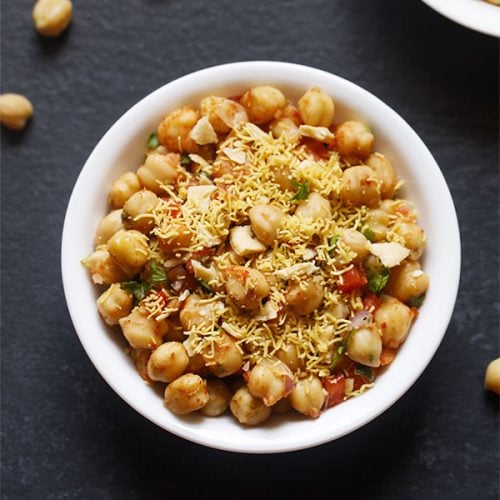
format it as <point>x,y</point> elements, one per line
<point>477,15</point>
<point>262,446</point>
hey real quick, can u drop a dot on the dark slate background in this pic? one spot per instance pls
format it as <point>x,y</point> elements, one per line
<point>65,434</point>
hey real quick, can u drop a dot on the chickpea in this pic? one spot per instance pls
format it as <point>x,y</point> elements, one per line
<point>315,207</point>
<point>137,211</point>
<point>223,114</point>
<point>305,297</point>
<point>248,409</point>
<point>159,169</point>
<point>219,397</point>
<point>168,362</point>
<point>140,357</point>
<point>365,346</point>
<point>263,103</point>
<point>285,127</point>
<point>15,111</point>
<point>197,313</point>
<point>173,131</point>
<point>181,239</point>
<point>407,281</point>
<point>52,17</point>
<point>197,365</point>
<point>394,320</point>
<point>377,221</point>
<point>265,221</point>
<point>114,304</point>
<point>186,394</point>
<point>246,287</point>
<point>123,188</point>
<point>354,140</point>
<point>360,187</point>
<point>130,249</point>
<point>492,377</point>
<point>356,242</point>
<point>109,225</point>
<point>282,177</point>
<point>142,332</point>
<point>385,172</point>
<point>393,207</point>
<point>413,236</point>
<point>104,269</point>
<point>292,113</point>
<point>270,380</point>
<point>340,310</point>
<point>225,358</point>
<point>316,108</point>
<point>308,396</point>
<point>290,356</point>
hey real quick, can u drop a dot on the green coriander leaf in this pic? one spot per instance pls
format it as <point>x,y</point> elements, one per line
<point>337,355</point>
<point>377,279</point>
<point>365,372</point>
<point>369,234</point>
<point>185,160</point>
<point>416,301</point>
<point>153,141</point>
<point>333,240</point>
<point>158,274</point>
<point>205,286</point>
<point>138,288</point>
<point>302,190</point>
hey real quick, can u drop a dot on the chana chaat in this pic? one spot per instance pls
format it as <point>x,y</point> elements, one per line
<point>260,258</point>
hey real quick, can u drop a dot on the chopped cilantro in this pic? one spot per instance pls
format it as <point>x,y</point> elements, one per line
<point>369,234</point>
<point>185,160</point>
<point>416,301</point>
<point>333,240</point>
<point>377,279</point>
<point>205,286</point>
<point>365,372</point>
<point>337,355</point>
<point>302,190</point>
<point>153,141</point>
<point>137,288</point>
<point>158,275</point>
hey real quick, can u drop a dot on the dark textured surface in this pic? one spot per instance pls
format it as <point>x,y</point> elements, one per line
<point>65,434</point>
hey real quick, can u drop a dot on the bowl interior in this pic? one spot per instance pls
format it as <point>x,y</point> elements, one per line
<point>121,149</point>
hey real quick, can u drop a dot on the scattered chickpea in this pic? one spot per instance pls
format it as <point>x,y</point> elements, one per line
<point>159,169</point>
<point>137,211</point>
<point>114,304</point>
<point>225,358</point>
<point>246,287</point>
<point>356,242</point>
<point>413,236</point>
<point>142,332</point>
<point>168,362</point>
<point>123,188</point>
<point>360,186</point>
<point>103,268</point>
<point>248,409</point>
<point>385,172</point>
<point>263,103</point>
<point>219,397</point>
<point>316,108</point>
<point>265,221</point>
<point>130,249</point>
<point>315,207</point>
<point>365,346</point>
<point>109,225</point>
<point>354,140</point>
<point>393,319</point>
<point>186,394</point>
<point>270,380</point>
<point>492,377</point>
<point>173,131</point>
<point>15,110</point>
<point>52,17</point>
<point>308,396</point>
<point>407,281</point>
<point>305,297</point>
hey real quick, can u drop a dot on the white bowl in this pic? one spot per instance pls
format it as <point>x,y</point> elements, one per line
<point>121,149</point>
<point>478,15</point>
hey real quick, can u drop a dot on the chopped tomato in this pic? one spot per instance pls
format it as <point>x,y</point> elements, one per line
<point>318,149</point>
<point>387,355</point>
<point>335,388</point>
<point>172,208</point>
<point>371,302</point>
<point>359,380</point>
<point>414,312</point>
<point>204,252</point>
<point>164,296</point>
<point>354,279</point>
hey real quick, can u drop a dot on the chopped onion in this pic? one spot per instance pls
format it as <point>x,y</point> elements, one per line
<point>361,319</point>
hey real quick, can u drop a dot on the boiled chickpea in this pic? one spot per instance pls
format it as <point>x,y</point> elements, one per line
<point>377,221</point>
<point>168,362</point>
<point>365,346</point>
<point>263,103</point>
<point>197,313</point>
<point>104,269</point>
<point>173,131</point>
<point>413,236</point>
<point>114,304</point>
<point>394,320</point>
<point>308,396</point>
<point>265,221</point>
<point>354,140</point>
<point>223,114</point>
<point>123,188</point>
<point>316,108</point>
<point>315,207</point>
<point>270,380</point>
<point>340,310</point>
<point>225,358</point>
<point>492,377</point>
<point>137,211</point>
<point>305,297</point>
<point>246,287</point>
<point>360,187</point>
<point>282,176</point>
<point>130,249</point>
<point>407,281</point>
<point>284,127</point>
<point>356,242</point>
<point>385,172</point>
<point>290,356</point>
<point>142,332</point>
<point>52,17</point>
<point>186,394</point>
<point>248,409</point>
<point>140,357</point>
<point>109,225</point>
<point>219,397</point>
<point>15,110</point>
<point>159,169</point>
